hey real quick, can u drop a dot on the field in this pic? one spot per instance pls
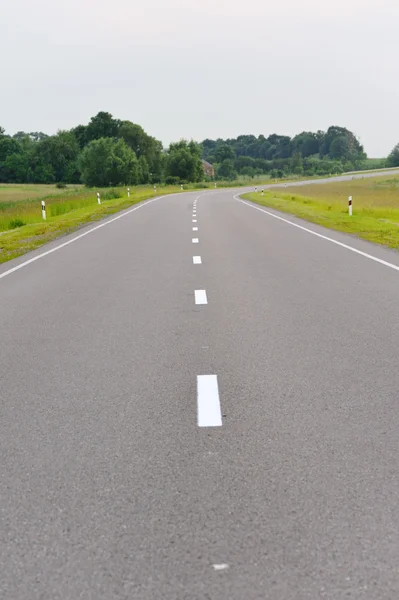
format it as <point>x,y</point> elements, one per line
<point>375,206</point>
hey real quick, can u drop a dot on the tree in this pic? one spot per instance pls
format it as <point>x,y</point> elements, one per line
<point>393,158</point>
<point>339,147</point>
<point>306,143</point>
<point>144,171</point>
<point>106,162</point>
<point>224,152</point>
<point>226,170</point>
<point>60,153</point>
<point>103,125</point>
<point>184,161</point>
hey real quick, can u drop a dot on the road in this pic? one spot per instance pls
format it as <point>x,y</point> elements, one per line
<point>337,178</point>
<point>245,448</point>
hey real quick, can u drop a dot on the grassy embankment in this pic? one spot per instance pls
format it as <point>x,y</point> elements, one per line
<point>375,206</point>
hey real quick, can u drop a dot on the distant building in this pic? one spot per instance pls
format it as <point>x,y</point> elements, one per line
<point>209,170</point>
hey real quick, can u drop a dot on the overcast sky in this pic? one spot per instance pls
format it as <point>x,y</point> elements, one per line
<point>208,68</point>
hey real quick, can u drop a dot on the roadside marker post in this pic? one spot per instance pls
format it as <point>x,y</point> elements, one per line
<point>155,188</point>
<point>256,189</point>
<point>181,186</point>
<point>128,192</point>
<point>350,205</point>
<point>262,192</point>
<point>43,210</point>
<point>98,198</point>
<point>215,185</point>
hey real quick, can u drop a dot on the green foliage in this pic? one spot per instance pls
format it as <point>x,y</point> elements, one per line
<point>281,153</point>
<point>111,195</point>
<point>106,162</point>
<point>393,158</point>
<point>14,223</point>
<point>184,161</point>
<point>103,125</point>
<point>226,170</point>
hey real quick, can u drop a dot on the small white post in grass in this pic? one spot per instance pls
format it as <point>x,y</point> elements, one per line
<point>98,198</point>
<point>350,205</point>
<point>215,185</point>
<point>256,189</point>
<point>43,209</point>
<point>155,188</point>
<point>181,186</point>
<point>128,192</point>
<point>262,192</point>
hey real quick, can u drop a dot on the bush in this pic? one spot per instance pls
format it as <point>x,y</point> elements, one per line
<point>60,185</point>
<point>16,223</point>
<point>111,195</point>
<point>171,180</point>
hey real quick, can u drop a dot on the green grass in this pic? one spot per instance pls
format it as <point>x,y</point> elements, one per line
<point>375,206</point>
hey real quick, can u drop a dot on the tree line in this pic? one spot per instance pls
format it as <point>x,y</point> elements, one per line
<point>105,152</point>
<point>333,151</point>
<point>110,152</point>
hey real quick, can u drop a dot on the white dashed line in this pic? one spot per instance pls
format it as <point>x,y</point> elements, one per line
<point>195,228</point>
<point>200,297</point>
<point>197,260</point>
<point>221,567</point>
<point>195,240</point>
<point>194,220</point>
<point>208,403</point>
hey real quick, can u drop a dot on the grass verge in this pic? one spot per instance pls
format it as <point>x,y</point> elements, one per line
<point>375,207</point>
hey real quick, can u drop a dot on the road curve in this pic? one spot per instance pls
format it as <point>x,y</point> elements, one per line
<point>245,447</point>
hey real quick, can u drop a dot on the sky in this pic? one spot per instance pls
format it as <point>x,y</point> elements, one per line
<point>205,69</point>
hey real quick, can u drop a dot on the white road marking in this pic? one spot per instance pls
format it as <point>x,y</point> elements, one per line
<point>323,237</point>
<point>197,260</point>
<point>195,228</point>
<point>200,297</point>
<point>78,237</point>
<point>195,240</point>
<point>208,403</point>
<point>221,567</point>
<point>194,220</point>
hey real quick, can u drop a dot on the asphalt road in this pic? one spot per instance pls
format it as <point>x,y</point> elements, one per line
<point>279,481</point>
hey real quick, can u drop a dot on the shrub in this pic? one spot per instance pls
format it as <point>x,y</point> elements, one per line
<point>171,180</point>
<point>60,185</point>
<point>14,223</point>
<point>111,195</point>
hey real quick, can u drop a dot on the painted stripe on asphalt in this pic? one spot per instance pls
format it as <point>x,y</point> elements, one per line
<point>323,237</point>
<point>195,240</point>
<point>194,220</point>
<point>208,403</point>
<point>200,297</point>
<point>197,260</point>
<point>195,228</point>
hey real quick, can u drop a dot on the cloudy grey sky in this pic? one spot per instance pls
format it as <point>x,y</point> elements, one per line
<point>209,68</point>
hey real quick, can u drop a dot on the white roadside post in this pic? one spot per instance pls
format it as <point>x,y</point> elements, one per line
<point>43,210</point>
<point>181,186</point>
<point>256,189</point>
<point>155,188</point>
<point>128,192</point>
<point>98,198</point>
<point>350,205</point>
<point>215,185</point>
<point>262,192</point>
